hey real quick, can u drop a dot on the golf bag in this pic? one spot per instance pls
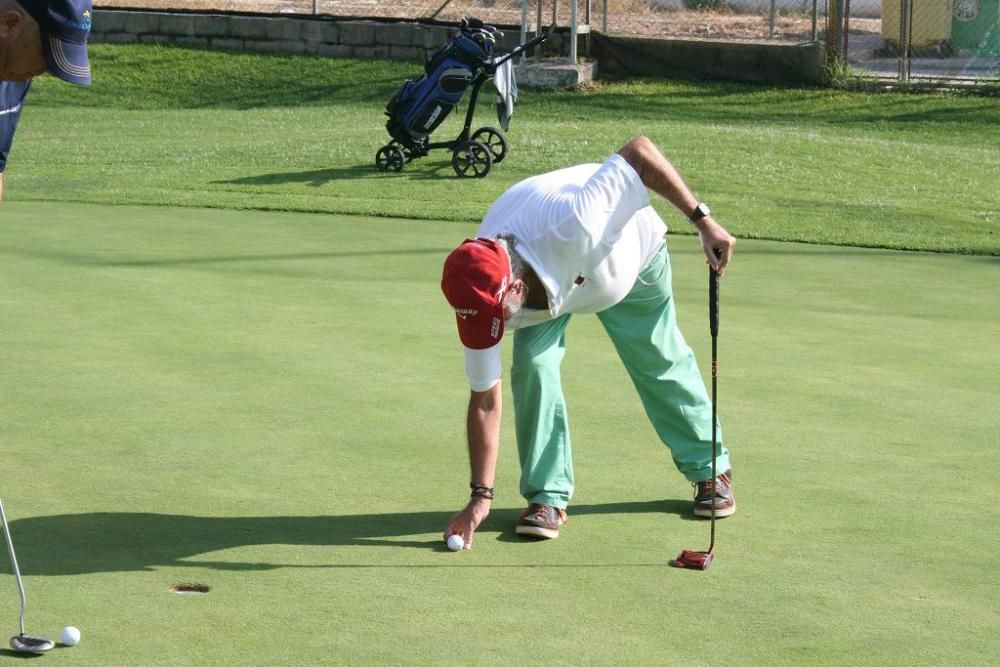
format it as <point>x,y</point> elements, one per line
<point>420,105</point>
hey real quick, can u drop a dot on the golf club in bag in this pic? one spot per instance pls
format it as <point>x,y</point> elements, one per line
<point>22,642</point>
<point>700,560</point>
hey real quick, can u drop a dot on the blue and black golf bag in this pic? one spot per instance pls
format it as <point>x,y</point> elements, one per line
<point>421,105</point>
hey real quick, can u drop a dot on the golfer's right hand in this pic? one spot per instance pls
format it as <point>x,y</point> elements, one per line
<point>466,522</point>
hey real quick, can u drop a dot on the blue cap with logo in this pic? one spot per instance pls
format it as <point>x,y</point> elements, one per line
<point>65,25</point>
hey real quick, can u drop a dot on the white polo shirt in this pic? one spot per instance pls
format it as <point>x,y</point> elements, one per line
<point>587,231</point>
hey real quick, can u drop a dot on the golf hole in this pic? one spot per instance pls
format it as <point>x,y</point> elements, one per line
<point>190,589</point>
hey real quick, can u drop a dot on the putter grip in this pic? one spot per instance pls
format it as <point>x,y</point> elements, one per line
<point>713,301</point>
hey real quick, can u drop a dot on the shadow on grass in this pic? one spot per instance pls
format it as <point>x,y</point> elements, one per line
<point>741,103</point>
<point>92,260</point>
<point>138,541</point>
<point>274,258</point>
<point>149,76</point>
<point>427,169</point>
<point>313,177</point>
<point>8,653</point>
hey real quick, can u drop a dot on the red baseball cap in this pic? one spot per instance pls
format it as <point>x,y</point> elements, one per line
<point>475,280</point>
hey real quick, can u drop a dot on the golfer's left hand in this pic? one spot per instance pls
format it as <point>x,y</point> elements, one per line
<point>717,244</point>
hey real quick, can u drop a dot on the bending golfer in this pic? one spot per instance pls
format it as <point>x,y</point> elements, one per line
<point>38,36</point>
<point>580,240</point>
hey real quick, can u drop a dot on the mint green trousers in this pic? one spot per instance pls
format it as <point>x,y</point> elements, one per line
<point>643,329</point>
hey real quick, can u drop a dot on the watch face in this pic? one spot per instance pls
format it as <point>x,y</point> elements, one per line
<point>699,212</point>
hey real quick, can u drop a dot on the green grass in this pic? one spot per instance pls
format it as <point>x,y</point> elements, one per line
<point>272,404</point>
<point>200,128</point>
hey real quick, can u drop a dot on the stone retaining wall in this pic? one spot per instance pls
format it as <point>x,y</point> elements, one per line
<point>309,35</point>
<point>322,36</point>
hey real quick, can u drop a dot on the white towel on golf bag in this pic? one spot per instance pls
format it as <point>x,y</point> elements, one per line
<point>506,86</point>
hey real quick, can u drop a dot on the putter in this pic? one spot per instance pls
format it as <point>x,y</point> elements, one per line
<point>22,642</point>
<point>700,560</point>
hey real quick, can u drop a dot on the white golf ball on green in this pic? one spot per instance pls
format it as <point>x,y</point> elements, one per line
<point>70,636</point>
<point>455,542</point>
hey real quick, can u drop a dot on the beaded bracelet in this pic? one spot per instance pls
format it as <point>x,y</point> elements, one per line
<point>481,491</point>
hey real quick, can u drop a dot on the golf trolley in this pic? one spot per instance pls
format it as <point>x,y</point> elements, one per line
<point>420,105</point>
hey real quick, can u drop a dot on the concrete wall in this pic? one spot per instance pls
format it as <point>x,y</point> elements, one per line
<point>320,36</point>
<point>753,62</point>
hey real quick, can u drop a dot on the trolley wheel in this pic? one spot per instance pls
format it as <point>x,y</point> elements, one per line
<point>472,159</point>
<point>494,140</point>
<point>390,157</point>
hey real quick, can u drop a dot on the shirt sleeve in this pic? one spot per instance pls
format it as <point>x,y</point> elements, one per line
<point>610,197</point>
<point>11,101</point>
<point>482,367</point>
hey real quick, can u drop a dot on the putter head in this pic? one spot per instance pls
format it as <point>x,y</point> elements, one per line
<point>693,560</point>
<point>29,644</point>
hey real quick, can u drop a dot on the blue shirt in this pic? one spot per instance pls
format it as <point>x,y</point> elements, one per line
<point>11,101</point>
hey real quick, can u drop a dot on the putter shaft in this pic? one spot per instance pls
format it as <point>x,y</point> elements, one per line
<point>13,562</point>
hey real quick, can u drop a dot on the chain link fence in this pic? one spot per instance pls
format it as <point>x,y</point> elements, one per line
<point>927,40</point>
<point>905,40</point>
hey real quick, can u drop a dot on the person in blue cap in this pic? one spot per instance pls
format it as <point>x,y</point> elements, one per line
<point>38,36</point>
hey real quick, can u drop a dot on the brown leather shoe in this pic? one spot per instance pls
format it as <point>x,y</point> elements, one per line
<point>722,488</point>
<point>541,521</point>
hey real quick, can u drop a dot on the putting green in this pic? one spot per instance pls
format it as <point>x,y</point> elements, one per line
<point>272,405</point>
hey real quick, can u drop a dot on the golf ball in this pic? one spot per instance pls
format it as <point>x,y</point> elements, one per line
<point>70,636</point>
<point>455,542</point>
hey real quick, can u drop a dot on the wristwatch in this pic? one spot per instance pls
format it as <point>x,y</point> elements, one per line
<point>700,211</point>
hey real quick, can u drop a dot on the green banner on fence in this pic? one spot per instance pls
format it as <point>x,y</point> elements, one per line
<point>975,29</point>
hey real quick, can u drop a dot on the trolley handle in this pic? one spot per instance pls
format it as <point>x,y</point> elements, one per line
<point>534,41</point>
